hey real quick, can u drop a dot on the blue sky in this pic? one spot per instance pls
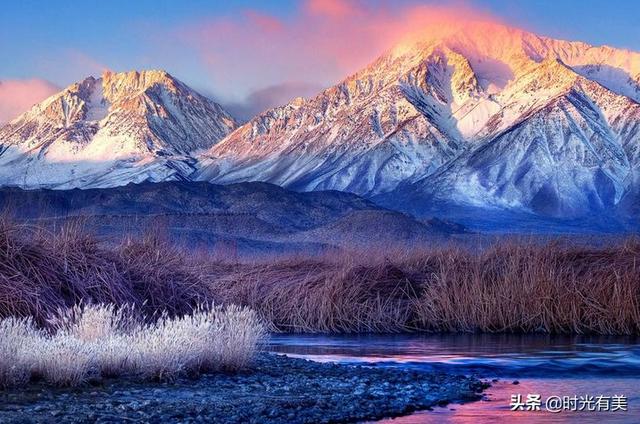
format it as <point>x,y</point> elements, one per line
<point>64,41</point>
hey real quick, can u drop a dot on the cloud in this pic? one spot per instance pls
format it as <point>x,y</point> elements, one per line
<point>269,97</point>
<point>85,63</point>
<point>323,41</point>
<point>17,96</point>
<point>332,8</point>
<point>250,57</point>
<point>66,66</point>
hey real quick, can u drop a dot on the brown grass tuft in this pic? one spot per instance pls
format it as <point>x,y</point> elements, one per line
<point>42,272</point>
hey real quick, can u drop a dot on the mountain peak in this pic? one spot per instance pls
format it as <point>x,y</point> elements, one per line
<point>420,107</point>
<point>112,130</point>
<point>144,78</point>
<point>131,83</point>
<point>483,115</point>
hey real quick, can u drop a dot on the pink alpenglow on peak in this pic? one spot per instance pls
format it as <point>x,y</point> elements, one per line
<point>311,44</point>
<point>488,116</point>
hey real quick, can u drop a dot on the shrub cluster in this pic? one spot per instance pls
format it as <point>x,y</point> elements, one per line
<point>43,271</point>
<point>558,286</point>
<point>104,341</point>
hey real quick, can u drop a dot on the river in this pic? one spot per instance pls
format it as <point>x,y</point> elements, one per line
<point>585,367</point>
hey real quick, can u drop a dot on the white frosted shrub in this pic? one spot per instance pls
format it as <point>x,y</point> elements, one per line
<point>106,332</point>
<point>236,336</point>
<point>101,340</point>
<point>117,356</point>
<point>92,323</point>
<point>17,337</point>
<point>62,360</point>
<point>165,348</point>
<point>210,339</point>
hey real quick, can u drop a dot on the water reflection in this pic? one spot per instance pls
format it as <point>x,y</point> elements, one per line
<point>495,408</point>
<point>485,354</point>
<point>546,365</point>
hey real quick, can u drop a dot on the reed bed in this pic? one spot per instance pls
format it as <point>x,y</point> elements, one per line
<point>519,286</point>
<point>515,285</point>
<point>42,272</point>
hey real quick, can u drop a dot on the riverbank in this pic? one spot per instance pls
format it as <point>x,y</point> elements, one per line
<point>547,365</point>
<point>277,389</point>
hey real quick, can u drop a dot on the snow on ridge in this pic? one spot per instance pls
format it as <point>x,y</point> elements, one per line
<point>119,128</point>
<point>501,118</point>
<point>418,111</point>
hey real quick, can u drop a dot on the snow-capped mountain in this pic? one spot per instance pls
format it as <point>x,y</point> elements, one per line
<point>577,153</point>
<point>490,116</point>
<point>109,131</point>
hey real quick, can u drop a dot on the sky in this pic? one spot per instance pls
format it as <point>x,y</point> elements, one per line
<point>251,55</point>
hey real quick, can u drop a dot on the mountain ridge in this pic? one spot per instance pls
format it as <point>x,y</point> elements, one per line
<point>420,108</point>
<point>250,217</point>
<point>488,116</point>
<point>119,128</point>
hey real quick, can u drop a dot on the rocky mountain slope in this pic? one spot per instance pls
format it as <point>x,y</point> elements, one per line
<point>492,117</point>
<point>109,131</point>
<point>577,153</point>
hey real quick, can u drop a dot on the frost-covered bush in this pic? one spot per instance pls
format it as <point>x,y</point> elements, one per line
<point>17,337</point>
<point>104,341</point>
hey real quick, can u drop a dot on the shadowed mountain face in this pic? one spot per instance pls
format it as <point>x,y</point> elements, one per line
<point>247,217</point>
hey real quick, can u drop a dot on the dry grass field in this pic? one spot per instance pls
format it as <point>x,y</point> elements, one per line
<point>508,286</point>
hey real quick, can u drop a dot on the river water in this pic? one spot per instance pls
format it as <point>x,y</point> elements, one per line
<point>585,367</point>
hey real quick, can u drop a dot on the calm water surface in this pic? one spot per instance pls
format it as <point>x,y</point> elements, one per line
<point>545,365</point>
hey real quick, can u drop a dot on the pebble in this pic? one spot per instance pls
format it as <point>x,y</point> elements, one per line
<point>277,389</point>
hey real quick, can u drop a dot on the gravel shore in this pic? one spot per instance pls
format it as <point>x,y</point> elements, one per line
<point>277,389</point>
